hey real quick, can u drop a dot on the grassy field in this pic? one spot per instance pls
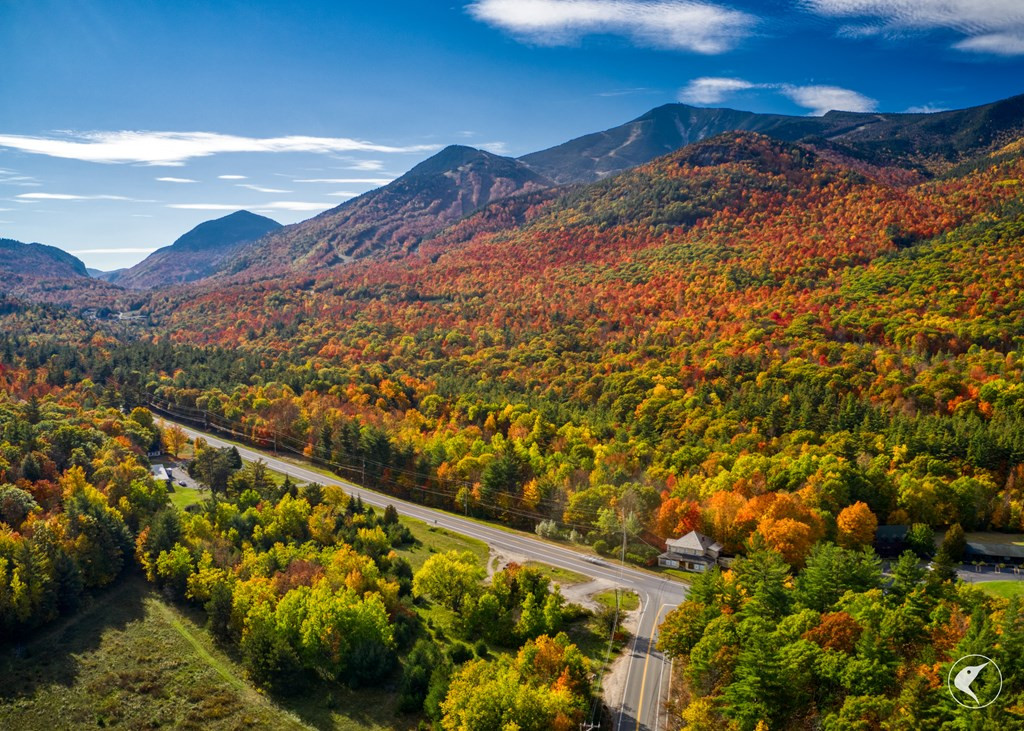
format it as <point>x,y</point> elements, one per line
<point>1004,589</point>
<point>182,497</point>
<point>557,575</point>
<point>131,660</point>
<point>629,600</point>
<point>433,539</point>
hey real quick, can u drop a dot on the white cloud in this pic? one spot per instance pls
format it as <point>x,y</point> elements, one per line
<point>817,98</point>
<point>346,181</point>
<point>367,165</point>
<point>70,197</point>
<point>343,194</point>
<point>1000,44</point>
<point>276,206</point>
<point>625,92</point>
<point>176,180</point>
<point>925,109</point>
<point>10,177</point>
<point>990,26</point>
<point>128,250</point>
<point>687,25</point>
<point>712,90</point>
<point>231,177</point>
<point>821,99</point>
<point>496,148</point>
<point>174,148</point>
<point>258,189</point>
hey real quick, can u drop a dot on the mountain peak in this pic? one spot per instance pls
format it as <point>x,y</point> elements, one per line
<point>452,158</point>
<point>198,253</point>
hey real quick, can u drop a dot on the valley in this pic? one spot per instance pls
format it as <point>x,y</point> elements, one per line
<point>756,376</point>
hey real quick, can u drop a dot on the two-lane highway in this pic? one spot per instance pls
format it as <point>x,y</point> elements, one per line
<point>647,671</point>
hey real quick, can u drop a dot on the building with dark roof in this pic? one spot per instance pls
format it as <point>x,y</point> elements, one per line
<point>692,552</point>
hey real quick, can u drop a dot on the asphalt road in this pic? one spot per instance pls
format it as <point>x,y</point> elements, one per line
<point>647,672</point>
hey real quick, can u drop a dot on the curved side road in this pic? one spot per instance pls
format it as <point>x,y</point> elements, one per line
<point>647,672</point>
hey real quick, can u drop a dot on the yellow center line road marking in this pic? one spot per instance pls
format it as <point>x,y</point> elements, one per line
<point>643,678</point>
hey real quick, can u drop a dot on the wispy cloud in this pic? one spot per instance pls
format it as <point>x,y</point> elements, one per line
<point>367,165</point>
<point>626,92</point>
<point>989,26</point>
<point>925,109</point>
<point>712,90</point>
<point>343,194</point>
<point>10,177</point>
<point>345,181</point>
<point>276,206</point>
<point>176,180</point>
<point>231,177</point>
<point>822,99</point>
<point>819,99</point>
<point>71,197</point>
<point>126,250</point>
<point>174,148</point>
<point>685,25</point>
<point>259,189</point>
<point>497,148</point>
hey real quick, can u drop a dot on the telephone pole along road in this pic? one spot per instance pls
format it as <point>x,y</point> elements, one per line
<point>647,671</point>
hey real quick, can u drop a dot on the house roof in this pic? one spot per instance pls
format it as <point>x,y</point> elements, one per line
<point>892,532</point>
<point>694,541</point>
<point>995,550</point>
<point>159,472</point>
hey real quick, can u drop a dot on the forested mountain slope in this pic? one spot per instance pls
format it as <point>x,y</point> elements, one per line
<point>393,219</point>
<point>925,142</point>
<point>46,273</point>
<point>196,254</point>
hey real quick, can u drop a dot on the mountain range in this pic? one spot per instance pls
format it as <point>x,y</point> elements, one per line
<point>459,181</point>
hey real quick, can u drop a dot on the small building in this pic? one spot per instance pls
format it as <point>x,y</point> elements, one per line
<point>994,553</point>
<point>692,552</point>
<point>891,540</point>
<point>159,473</point>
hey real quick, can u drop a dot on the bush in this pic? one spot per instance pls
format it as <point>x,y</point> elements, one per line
<point>481,649</point>
<point>548,529</point>
<point>459,653</point>
<point>601,546</point>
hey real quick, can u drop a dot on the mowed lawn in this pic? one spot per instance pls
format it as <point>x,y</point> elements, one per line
<point>1004,589</point>
<point>132,660</point>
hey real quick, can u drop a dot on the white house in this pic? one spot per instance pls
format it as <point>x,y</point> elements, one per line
<point>693,552</point>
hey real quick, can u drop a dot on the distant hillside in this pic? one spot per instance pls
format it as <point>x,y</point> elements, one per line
<point>105,276</point>
<point>38,260</point>
<point>197,254</point>
<point>926,142</point>
<point>439,191</point>
<point>46,273</point>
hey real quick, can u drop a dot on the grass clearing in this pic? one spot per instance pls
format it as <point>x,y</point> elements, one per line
<point>628,599</point>
<point>558,575</point>
<point>182,497</point>
<point>431,539</point>
<point>132,660</point>
<point>1003,589</point>
<point>129,660</point>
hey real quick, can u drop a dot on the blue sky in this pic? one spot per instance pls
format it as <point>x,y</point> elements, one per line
<point>124,124</point>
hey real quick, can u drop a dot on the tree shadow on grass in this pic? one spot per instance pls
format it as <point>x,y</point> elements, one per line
<point>49,655</point>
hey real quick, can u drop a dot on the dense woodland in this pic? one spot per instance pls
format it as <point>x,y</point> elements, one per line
<point>302,583</point>
<point>777,348</point>
<point>839,646</point>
